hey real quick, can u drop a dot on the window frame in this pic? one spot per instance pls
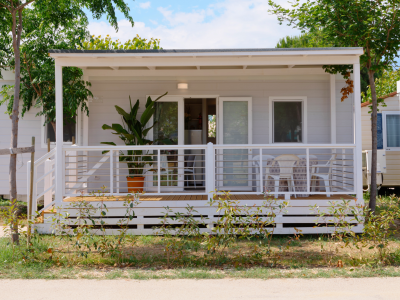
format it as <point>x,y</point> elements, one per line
<point>384,130</point>
<point>303,100</point>
<point>81,138</point>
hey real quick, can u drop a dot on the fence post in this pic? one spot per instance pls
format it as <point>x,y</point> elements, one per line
<point>210,170</point>
<point>32,173</point>
<point>47,182</point>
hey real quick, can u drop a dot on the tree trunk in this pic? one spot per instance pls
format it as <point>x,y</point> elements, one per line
<point>54,128</point>
<point>16,33</point>
<point>374,162</point>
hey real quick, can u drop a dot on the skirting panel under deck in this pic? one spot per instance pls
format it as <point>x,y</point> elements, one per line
<point>148,214</point>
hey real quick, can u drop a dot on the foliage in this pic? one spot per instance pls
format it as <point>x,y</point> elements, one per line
<point>212,126</point>
<point>234,222</point>
<point>37,68</point>
<point>82,243</point>
<point>313,40</point>
<point>385,85</point>
<point>107,43</point>
<point>343,216</point>
<point>304,40</point>
<point>133,131</point>
<point>189,232</point>
<point>87,232</point>
<point>379,230</point>
<point>337,219</point>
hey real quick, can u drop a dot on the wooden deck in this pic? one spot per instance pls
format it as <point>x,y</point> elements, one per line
<point>199,197</point>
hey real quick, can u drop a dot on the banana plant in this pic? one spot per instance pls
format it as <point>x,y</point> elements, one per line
<point>133,132</point>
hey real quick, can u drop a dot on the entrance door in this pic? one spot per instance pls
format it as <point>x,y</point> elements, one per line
<point>234,128</point>
<point>168,130</point>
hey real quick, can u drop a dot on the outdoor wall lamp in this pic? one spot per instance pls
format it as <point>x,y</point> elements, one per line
<point>183,86</point>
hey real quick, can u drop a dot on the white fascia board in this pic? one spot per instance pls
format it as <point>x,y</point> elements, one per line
<point>195,55</point>
<point>196,73</point>
<point>208,61</point>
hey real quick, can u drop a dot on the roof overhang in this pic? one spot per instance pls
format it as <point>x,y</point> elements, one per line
<point>212,61</point>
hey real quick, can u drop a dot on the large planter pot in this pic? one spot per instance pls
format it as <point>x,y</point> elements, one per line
<point>135,184</point>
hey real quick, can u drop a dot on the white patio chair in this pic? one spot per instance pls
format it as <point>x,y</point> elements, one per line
<point>256,164</point>
<point>189,168</point>
<point>327,178</point>
<point>286,163</point>
<point>164,169</point>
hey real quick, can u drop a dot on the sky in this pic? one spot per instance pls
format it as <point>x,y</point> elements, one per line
<point>205,24</point>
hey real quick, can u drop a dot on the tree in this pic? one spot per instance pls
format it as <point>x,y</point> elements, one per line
<point>308,40</point>
<point>38,69</point>
<point>384,86</point>
<point>371,24</point>
<point>54,12</point>
<point>107,43</point>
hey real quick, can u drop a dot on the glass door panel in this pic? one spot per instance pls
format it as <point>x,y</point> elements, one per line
<point>167,131</point>
<point>234,165</point>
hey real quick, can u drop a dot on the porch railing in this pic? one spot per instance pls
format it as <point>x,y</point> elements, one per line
<point>201,169</point>
<point>43,180</point>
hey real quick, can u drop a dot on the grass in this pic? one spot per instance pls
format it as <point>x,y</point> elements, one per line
<point>144,257</point>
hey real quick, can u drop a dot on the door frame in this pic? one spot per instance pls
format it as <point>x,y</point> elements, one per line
<point>181,136</point>
<point>181,132</point>
<point>220,141</point>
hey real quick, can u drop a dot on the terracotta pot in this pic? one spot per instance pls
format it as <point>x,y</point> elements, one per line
<point>135,184</point>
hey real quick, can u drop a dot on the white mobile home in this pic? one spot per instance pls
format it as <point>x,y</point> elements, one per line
<point>239,120</point>
<point>388,135</point>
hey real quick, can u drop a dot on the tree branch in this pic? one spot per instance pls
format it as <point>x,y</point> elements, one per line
<point>30,75</point>
<point>23,5</point>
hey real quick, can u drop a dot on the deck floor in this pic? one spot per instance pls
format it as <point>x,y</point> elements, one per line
<point>199,197</point>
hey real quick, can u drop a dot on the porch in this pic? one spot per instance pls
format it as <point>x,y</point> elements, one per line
<point>100,180</point>
<point>250,93</point>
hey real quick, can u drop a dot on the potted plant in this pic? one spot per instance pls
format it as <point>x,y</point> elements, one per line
<point>133,132</point>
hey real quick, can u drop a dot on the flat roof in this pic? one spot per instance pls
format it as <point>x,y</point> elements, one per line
<point>359,49</point>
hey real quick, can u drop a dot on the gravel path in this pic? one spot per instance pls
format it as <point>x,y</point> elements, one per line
<point>221,289</point>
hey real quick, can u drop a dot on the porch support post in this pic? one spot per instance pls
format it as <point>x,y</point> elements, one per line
<point>357,133</point>
<point>59,132</point>
<point>333,108</point>
<point>209,170</point>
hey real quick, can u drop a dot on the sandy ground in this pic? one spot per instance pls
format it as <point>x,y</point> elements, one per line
<point>221,289</point>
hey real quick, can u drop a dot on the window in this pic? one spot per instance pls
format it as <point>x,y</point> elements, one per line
<point>391,130</point>
<point>77,128</point>
<point>287,121</point>
<point>69,131</point>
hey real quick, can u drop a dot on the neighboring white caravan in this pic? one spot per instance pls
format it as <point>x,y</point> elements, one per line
<point>388,140</point>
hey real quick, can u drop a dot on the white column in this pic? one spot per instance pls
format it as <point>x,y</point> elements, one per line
<point>59,133</point>
<point>357,132</point>
<point>333,108</point>
<point>209,170</point>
